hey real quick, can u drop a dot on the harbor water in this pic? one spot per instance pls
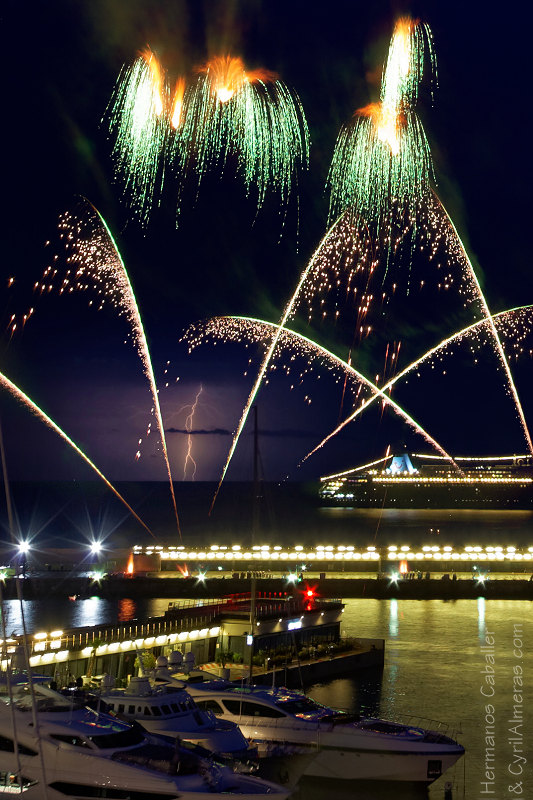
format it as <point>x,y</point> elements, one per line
<point>467,664</point>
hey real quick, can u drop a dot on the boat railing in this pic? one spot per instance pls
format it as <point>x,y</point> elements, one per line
<point>451,729</point>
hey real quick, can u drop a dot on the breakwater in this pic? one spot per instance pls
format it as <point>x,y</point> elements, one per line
<point>174,587</point>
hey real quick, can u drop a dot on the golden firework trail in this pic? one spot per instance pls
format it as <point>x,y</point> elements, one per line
<point>239,328</point>
<point>177,104</point>
<point>381,167</point>
<point>250,116</point>
<point>496,338</point>
<point>453,339</point>
<point>277,330</point>
<point>26,401</point>
<point>94,257</point>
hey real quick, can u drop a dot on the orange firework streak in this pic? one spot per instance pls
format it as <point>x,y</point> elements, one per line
<point>177,103</point>
<point>157,77</point>
<point>228,76</point>
<point>387,121</point>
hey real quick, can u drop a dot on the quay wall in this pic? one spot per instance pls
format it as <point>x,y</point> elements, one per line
<point>172,587</point>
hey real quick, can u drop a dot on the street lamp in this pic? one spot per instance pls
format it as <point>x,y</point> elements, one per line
<point>23,550</point>
<point>96,548</point>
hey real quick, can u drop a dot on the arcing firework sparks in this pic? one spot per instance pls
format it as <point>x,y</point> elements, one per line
<point>26,401</point>
<point>256,330</point>
<point>94,261</point>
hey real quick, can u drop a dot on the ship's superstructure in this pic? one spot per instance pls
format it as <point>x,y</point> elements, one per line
<point>427,481</point>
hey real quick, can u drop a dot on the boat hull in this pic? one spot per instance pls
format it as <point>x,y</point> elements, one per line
<point>365,757</point>
<point>346,765</point>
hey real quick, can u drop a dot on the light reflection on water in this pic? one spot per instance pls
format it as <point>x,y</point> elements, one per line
<point>433,668</point>
<point>57,613</point>
<point>481,618</point>
<point>436,667</point>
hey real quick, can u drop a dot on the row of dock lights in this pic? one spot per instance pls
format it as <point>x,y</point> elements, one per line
<point>338,553</point>
<point>473,553</point>
<point>46,645</point>
<point>152,641</point>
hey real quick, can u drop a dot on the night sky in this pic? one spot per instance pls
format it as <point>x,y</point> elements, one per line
<point>61,65</point>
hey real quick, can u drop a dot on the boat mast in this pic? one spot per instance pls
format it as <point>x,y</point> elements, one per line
<point>11,526</point>
<point>255,531</point>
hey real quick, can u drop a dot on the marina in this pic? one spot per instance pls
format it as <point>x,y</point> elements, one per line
<point>231,240</point>
<point>423,643</point>
<point>55,747</point>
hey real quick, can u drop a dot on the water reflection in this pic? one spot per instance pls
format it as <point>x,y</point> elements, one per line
<point>319,788</point>
<point>393,618</point>
<point>481,618</point>
<point>127,609</point>
<point>361,694</point>
<point>55,613</point>
<point>432,669</point>
<point>87,612</point>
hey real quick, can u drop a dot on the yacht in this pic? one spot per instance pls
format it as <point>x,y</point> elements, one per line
<point>169,711</point>
<point>338,745</point>
<point>52,747</point>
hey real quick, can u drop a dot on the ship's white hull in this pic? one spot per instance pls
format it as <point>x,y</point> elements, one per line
<point>350,755</point>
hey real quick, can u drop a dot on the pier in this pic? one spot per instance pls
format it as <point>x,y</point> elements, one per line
<point>218,631</point>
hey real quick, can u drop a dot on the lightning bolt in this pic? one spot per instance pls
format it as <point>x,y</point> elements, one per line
<point>188,426</point>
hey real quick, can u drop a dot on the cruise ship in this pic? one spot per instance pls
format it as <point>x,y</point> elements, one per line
<point>418,481</point>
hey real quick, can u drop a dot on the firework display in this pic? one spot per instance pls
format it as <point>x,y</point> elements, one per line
<point>382,164</point>
<point>226,112</point>
<point>26,401</point>
<point>94,262</point>
<point>251,115</point>
<point>255,330</point>
<point>389,279</point>
<point>138,121</point>
<point>386,213</point>
<point>511,324</point>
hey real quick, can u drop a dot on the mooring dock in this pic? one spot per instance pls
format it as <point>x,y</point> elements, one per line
<point>215,631</point>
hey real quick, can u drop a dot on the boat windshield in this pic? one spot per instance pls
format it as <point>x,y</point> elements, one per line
<point>116,738</point>
<point>300,705</point>
<point>45,699</point>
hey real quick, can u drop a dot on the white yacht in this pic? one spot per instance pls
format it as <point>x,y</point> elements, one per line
<point>170,711</point>
<point>52,748</point>
<point>339,745</point>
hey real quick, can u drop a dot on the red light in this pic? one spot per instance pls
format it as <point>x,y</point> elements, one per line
<point>309,594</point>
